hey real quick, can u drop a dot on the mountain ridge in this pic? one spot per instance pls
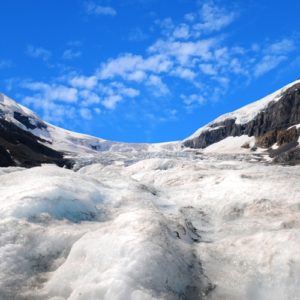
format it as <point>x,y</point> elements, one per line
<point>274,122</point>
<point>271,123</point>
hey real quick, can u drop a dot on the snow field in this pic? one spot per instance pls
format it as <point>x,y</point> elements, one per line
<point>193,226</point>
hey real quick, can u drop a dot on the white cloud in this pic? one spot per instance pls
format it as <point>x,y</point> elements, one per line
<point>52,112</point>
<point>62,93</point>
<point>134,67</point>
<point>38,52</point>
<point>190,17</point>
<point>86,113</point>
<point>182,32</point>
<point>192,99</point>
<point>184,51</point>
<point>213,18</point>
<point>273,55</point>
<point>53,92</point>
<point>268,63</point>
<point>71,54</point>
<point>111,101</point>
<point>129,92</point>
<point>137,75</point>
<point>121,89</point>
<point>160,87</point>
<point>237,68</point>
<point>158,63</point>
<point>280,47</point>
<point>184,73</point>
<point>97,110</point>
<point>92,8</point>
<point>121,66</point>
<point>208,69</point>
<point>166,25</point>
<point>84,82</point>
<point>89,98</point>
<point>194,50</point>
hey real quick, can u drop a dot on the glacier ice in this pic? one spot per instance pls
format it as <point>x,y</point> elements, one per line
<point>161,226</point>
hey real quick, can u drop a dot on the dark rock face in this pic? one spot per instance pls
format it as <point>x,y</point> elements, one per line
<point>288,136</point>
<point>269,126</point>
<point>26,122</point>
<point>267,139</point>
<point>286,154</point>
<point>21,148</point>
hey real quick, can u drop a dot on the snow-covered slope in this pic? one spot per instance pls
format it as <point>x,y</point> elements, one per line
<point>269,125</point>
<point>60,139</point>
<point>246,113</point>
<point>71,144</point>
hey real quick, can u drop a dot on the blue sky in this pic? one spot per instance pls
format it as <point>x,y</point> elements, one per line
<point>145,70</point>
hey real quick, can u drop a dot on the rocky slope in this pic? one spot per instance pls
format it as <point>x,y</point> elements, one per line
<point>273,121</point>
<point>271,125</point>
<point>20,144</point>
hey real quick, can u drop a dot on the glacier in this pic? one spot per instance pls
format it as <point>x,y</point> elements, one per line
<point>191,226</point>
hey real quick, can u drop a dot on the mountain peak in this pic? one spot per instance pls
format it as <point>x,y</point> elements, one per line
<point>267,120</point>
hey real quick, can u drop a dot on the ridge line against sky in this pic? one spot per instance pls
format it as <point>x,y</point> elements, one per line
<point>142,70</point>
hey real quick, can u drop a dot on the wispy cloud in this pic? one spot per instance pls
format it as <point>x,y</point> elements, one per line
<point>86,113</point>
<point>137,35</point>
<point>53,92</point>
<point>213,18</point>
<point>38,52</point>
<point>5,64</point>
<point>86,82</point>
<point>93,8</point>
<point>273,55</point>
<point>71,54</point>
<point>191,101</point>
<point>159,88</point>
<point>193,53</point>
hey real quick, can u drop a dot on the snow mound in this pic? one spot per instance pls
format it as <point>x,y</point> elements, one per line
<point>130,258</point>
<point>49,192</point>
<point>231,145</point>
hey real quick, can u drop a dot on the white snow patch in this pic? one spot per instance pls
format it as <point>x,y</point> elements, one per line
<point>231,145</point>
<point>246,113</point>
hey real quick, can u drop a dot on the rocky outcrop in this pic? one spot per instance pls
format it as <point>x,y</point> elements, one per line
<point>288,153</point>
<point>288,136</point>
<point>25,120</point>
<point>21,148</point>
<point>269,126</point>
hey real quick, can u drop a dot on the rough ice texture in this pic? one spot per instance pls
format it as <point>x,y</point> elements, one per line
<point>168,227</point>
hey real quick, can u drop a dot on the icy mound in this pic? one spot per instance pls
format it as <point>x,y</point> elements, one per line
<point>94,234</point>
<point>49,192</point>
<point>133,257</point>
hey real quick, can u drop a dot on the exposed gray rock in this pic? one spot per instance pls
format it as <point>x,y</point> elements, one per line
<point>21,148</point>
<point>269,126</point>
<point>26,121</point>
